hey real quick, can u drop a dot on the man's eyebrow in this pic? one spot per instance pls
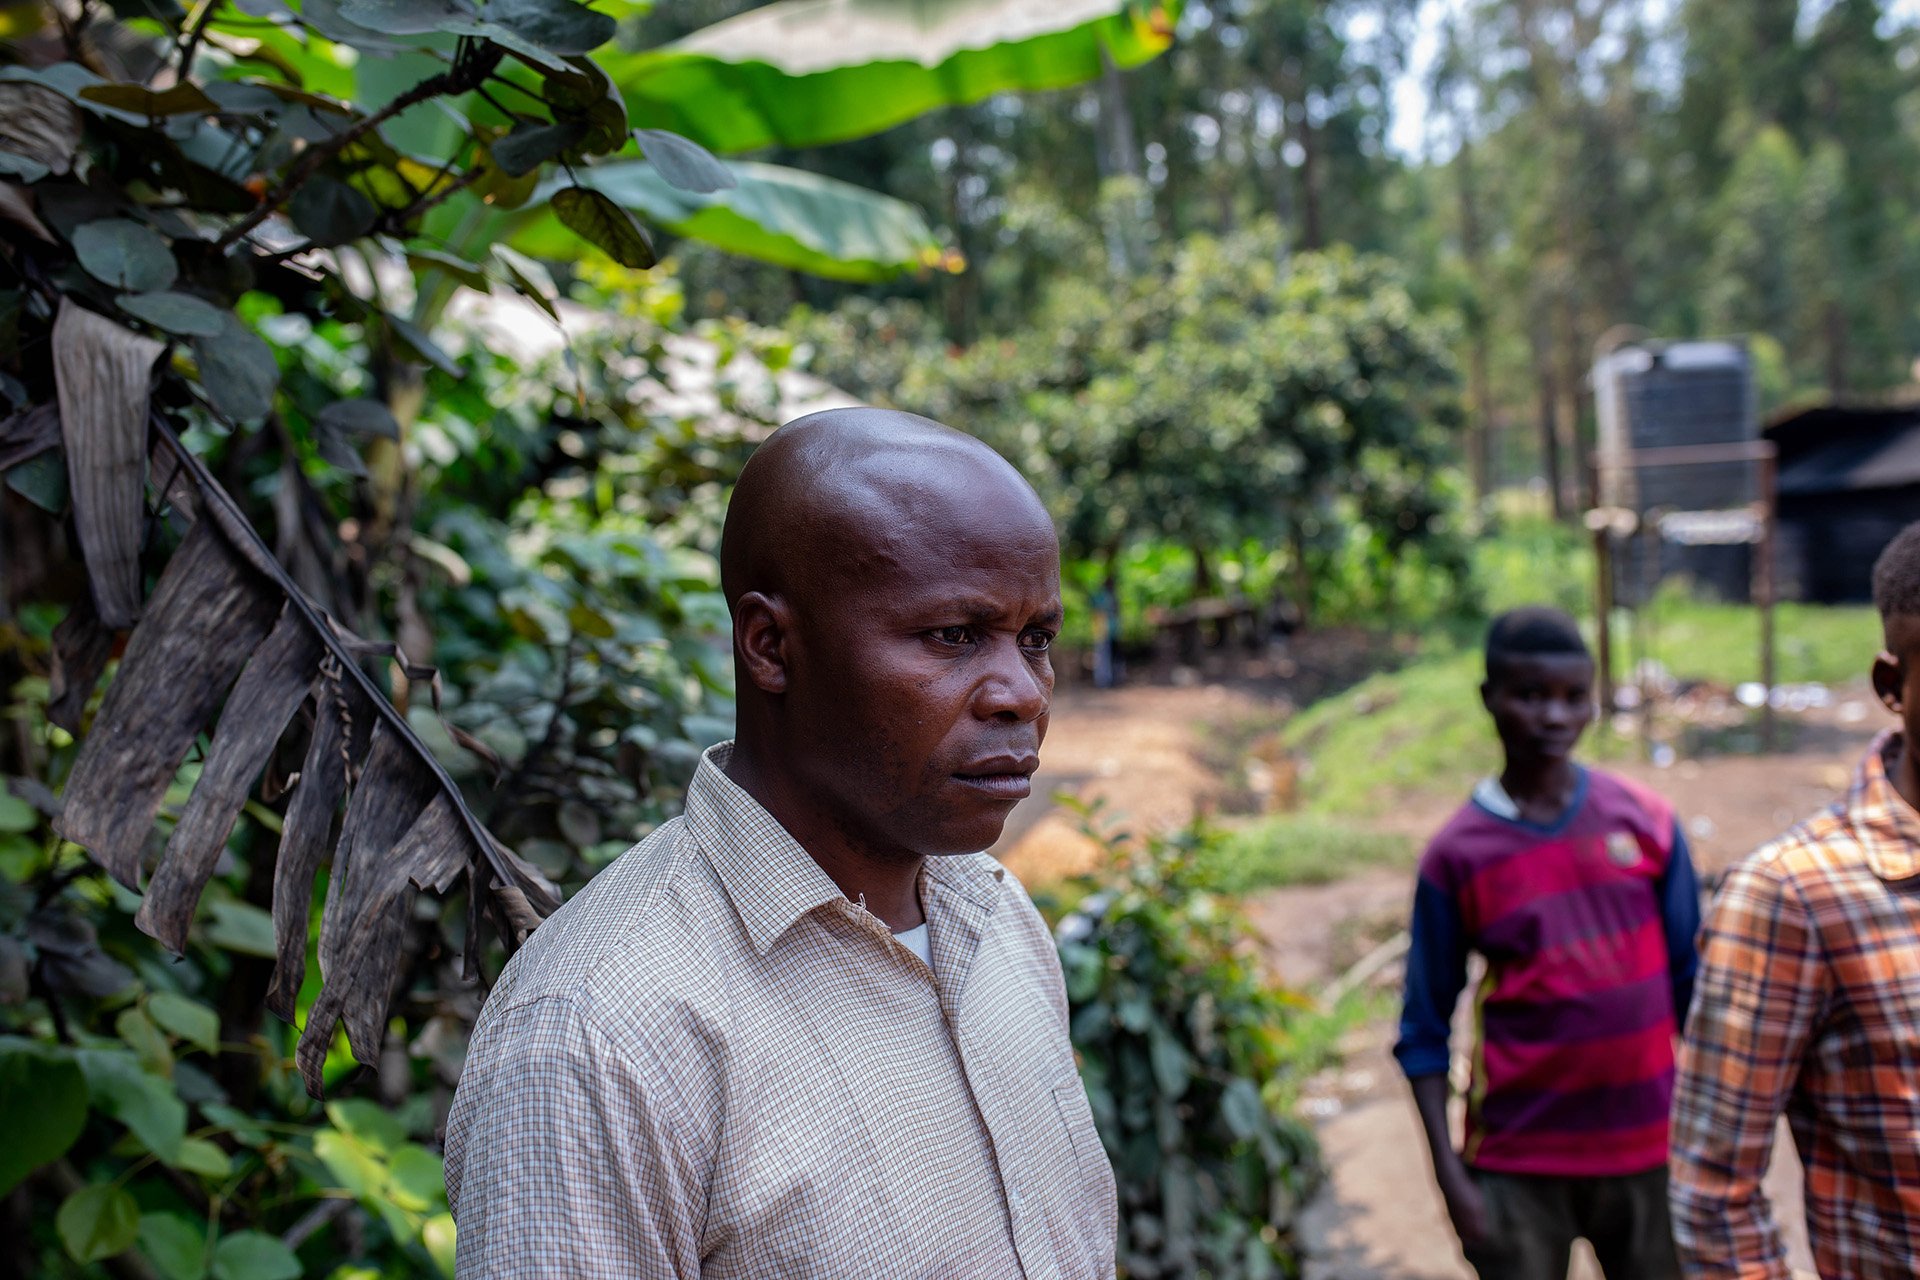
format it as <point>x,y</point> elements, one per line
<point>980,611</point>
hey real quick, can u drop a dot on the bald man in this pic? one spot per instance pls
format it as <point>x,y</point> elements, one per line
<point>808,1029</point>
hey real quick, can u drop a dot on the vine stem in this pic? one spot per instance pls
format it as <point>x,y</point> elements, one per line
<point>196,28</point>
<point>459,79</point>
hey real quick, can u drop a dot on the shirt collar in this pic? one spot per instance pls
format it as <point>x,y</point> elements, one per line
<point>770,877</point>
<point>1887,825</point>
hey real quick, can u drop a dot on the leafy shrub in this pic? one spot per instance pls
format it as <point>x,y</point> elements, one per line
<point>1185,1052</point>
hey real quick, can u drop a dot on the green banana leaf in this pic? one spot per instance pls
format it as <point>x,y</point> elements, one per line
<point>801,73</point>
<point>785,216</point>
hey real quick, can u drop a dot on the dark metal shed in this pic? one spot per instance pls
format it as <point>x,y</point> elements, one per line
<point>1849,480</point>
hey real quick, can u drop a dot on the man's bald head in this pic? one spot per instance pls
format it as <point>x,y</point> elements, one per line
<point>833,494</point>
<point>895,589</point>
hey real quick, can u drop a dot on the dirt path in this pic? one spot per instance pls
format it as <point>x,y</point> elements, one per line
<point>1146,752</point>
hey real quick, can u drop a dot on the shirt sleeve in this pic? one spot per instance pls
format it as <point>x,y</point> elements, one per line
<point>1436,972</point>
<point>1680,913</point>
<point>1761,987</point>
<point>564,1160</point>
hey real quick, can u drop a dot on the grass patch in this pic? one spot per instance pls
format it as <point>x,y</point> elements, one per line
<point>1289,849</point>
<point>1701,640</point>
<point>1420,728</point>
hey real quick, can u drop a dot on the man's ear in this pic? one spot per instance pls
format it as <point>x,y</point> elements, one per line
<point>1887,681</point>
<point>761,635</point>
<point>1486,695</point>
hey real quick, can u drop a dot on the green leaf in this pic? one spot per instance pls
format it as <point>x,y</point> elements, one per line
<point>586,97</point>
<point>559,26</point>
<point>197,1155</point>
<point>125,254</point>
<point>176,1246</point>
<point>404,17</point>
<point>44,1097</point>
<point>360,417</point>
<point>180,313</point>
<point>140,1035</point>
<point>467,273</point>
<point>254,1255</point>
<point>235,97</point>
<point>146,1104</point>
<point>369,1122</point>
<point>684,162</point>
<point>329,212</point>
<point>418,1178</point>
<point>185,98</point>
<point>531,145</point>
<point>243,1127</point>
<point>512,41</point>
<point>188,1019</point>
<point>598,220</point>
<point>415,339</point>
<point>97,1222</point>
<point>353,1166</point>
<point>16,815</point>
<point>784,216</point>
<point>805,72</point>
<point>237,371</point>
<point>42,480</point>
<point>438,1235</point>
<point>1242,1109</point>
<point>242,927</point>
<point>1171,1065</point>
<point>530,277</point>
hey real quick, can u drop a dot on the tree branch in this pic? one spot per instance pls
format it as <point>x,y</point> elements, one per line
<point>196,28</point>
<point>459,79</point>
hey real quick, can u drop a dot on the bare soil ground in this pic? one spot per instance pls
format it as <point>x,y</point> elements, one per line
<point>1152,753</point>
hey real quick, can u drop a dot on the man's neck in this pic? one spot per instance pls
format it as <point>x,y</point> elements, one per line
<point>1903,771</point>
<point>887,887</point>
<point>1540,789</point>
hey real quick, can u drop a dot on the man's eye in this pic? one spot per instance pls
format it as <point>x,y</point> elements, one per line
<point>952,635</point>
<point>1037,641</point>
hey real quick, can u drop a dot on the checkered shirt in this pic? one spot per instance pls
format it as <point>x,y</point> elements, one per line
<point>1808,1001</point>
<point>711,1063</point>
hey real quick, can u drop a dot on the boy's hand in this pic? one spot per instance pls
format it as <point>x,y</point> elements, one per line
<point>1466,1206</point>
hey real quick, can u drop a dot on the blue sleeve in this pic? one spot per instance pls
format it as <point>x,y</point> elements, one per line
<point>1436,971</point>
<point>1680,911</point>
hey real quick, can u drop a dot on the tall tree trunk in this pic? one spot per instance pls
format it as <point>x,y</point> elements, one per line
<point>1118,156</point>
<point>1576,402</point>
<point>1479,380</point>
<point>1311,233</point>
<point>962,288</point>
<point>1547,390</point>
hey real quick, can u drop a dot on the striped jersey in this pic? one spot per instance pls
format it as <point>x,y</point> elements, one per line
<point>1586,926</point>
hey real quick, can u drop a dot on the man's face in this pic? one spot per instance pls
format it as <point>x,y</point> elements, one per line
<point>1540,704</point>
<point>1896,673</point>
<point>921,677</point>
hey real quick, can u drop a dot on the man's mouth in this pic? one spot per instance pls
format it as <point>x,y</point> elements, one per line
<point>1002,777</point>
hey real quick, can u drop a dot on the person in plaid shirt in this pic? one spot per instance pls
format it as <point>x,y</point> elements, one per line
<point>1808,1003</point>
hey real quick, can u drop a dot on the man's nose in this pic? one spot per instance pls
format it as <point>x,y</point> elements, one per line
<point>1016,686</point>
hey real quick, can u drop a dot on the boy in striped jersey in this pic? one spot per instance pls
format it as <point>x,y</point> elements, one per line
<point>1576,888</point>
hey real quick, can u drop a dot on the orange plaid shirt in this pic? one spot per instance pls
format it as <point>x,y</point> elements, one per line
<point>1808,1002</point>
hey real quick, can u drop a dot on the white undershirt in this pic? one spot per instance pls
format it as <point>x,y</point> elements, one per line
<point>916,941</point>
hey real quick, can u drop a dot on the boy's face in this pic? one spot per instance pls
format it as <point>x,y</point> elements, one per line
<point>1896,672</point>
<point>1540,704</point>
